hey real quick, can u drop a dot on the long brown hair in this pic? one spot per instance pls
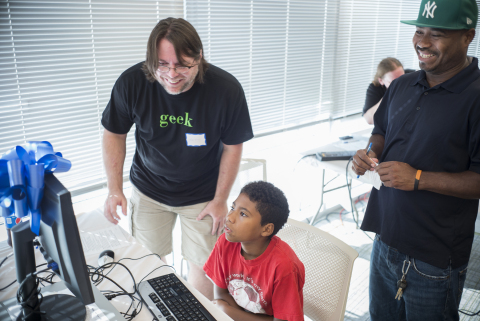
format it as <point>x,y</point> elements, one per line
<point>184,39</point>
<point>385,66</point>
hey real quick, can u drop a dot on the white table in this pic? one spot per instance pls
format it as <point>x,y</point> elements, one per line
<point>359,141</point>
<point>95,221</point>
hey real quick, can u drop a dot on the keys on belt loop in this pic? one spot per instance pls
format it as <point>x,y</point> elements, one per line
<point>402,283</point>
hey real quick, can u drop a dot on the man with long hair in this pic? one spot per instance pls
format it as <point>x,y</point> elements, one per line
<point>191,121</point>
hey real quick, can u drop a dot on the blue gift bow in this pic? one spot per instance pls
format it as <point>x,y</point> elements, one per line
<point>22,173</point>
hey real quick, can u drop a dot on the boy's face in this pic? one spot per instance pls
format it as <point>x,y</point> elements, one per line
<point>243,222</point>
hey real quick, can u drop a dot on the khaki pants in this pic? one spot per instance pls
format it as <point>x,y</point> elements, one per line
<point>152,223</point>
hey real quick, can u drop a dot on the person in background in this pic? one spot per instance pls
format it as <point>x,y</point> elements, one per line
<point>388,70</point>
<point>426,141</point>
<point>191,120</point>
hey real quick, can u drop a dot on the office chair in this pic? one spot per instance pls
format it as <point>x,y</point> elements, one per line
<point>328,269</point>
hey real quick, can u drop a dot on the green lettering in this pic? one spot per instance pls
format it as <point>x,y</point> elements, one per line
<point>172,119</point>
<point>187,120</point>
<point>163,121</point>
<point>180,120</point>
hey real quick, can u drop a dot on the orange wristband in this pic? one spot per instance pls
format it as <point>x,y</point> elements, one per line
<point>417,179</point>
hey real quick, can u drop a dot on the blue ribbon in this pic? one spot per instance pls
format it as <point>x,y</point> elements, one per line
<point>22,172</point>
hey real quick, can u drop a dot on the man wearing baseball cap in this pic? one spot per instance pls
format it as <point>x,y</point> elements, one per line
<point>426,140</point>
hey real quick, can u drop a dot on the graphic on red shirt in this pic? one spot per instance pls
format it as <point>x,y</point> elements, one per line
<point>271,284</point>
<point>245,295</point>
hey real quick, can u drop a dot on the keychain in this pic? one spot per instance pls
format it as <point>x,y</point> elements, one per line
<point>402,283</point>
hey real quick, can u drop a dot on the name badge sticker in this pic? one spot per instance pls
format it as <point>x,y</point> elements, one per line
<point>196,140</point>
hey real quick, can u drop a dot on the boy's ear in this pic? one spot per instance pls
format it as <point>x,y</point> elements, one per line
<point>268,229</point>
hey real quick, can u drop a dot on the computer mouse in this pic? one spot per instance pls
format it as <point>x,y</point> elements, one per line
<point>105,257</point>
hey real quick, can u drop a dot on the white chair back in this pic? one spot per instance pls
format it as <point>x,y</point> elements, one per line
<point>328,268</point>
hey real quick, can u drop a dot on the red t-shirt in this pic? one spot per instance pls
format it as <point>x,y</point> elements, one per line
<point>270,284</point>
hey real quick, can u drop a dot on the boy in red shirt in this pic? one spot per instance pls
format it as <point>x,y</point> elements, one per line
<point>257,276</point>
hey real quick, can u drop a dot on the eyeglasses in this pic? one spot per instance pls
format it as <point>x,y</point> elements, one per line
<point>179,69</point>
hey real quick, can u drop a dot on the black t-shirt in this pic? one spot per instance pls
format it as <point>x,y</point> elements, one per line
<point>178,137</point>
<point>375,93</point>
<point>436,130</point>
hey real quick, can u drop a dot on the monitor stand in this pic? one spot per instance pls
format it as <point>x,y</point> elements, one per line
<point>10,309</point>
<point>56,306</point>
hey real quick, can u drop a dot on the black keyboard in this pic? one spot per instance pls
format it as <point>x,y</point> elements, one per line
<point>331,156</point>
<point>168,299</point>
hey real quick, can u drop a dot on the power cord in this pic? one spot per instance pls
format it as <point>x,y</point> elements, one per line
<point>47,279</point>
<point>6,258</point>
<point>127,258</point>
<point>1,263</point>
<point>2,289</point>
<point>305,156</point>
<point>470,314</point>
<point>97,275</point>
<point>34,292</point>
<point>165,265</point>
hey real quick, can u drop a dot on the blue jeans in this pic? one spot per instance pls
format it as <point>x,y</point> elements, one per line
<point>432,293</point>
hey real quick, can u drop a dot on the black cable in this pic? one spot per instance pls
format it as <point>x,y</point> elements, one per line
<point>470,314</point>
<point>100,269</point>
<point>5,258</point>
<point>127,258</point>
<point>8,285</point>
<point>136,289</point>
<point>301,159</point>
<point>13,282</point>
<point>47,279</point>
<point>113,294</point>
<point>35,292</point>
<point>106,277</point>
<point>97,276</point>
<point>165,265</point>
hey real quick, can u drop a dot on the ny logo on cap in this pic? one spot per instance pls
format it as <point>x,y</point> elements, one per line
<point>429,9</point>
<point>469,21</point>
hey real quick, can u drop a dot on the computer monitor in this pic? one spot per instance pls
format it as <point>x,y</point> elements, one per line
<point>60,243</point>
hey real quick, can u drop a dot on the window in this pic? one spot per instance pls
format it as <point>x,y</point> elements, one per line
<point>58,64</point>
<point>303,61</point>
<point>299,62</point>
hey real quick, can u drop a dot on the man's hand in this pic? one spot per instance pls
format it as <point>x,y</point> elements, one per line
<point>362,162</point>
<point>218,211</point>
<point>110,208</point>
<point>397,175</point>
